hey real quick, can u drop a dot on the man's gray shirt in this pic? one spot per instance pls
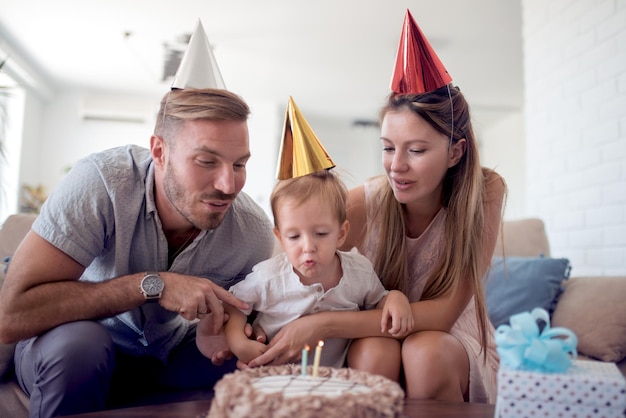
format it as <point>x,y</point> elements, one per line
<point>103,215</point>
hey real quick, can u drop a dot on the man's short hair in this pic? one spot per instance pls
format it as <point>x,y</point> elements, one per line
<point>197,104</point>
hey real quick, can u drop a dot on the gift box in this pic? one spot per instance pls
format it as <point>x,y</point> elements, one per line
<point>585,389</point>
<point>538,376</point>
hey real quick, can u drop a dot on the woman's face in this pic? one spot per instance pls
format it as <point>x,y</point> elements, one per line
<point>416,157</point>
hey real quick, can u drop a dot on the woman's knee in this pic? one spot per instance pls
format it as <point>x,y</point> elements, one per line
<point>376,355</point>
<point>435,366</point>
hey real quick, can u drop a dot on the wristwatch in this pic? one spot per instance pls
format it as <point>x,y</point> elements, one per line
<point>152,286</point>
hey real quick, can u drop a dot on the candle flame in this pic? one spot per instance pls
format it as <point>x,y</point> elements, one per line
<point>320,343</point>
<point>307,348</point>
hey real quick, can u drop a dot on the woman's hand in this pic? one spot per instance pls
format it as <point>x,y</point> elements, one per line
<point>248,350</point>
<point>286,346</point>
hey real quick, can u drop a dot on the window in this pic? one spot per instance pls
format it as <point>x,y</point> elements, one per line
<point>11,115</point>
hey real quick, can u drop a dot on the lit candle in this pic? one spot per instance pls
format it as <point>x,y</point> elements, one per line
<point>318,354</point>
<point>305,359</point>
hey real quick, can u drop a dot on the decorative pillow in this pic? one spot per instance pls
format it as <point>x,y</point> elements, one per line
<point>520,284</point>
<point>594,309</point>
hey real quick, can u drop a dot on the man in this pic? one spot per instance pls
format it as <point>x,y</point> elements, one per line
<point>104,290</point>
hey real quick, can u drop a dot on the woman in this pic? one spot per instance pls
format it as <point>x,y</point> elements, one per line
<point>429,228</point>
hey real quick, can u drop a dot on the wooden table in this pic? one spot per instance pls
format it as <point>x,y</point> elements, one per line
<point>198,409</point>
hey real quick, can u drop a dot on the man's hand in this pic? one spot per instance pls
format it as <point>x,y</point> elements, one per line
<point>211,344</point>
<point>219,357</point>
<point>215,346</point>
<point>255,332</point>
<point>194,297</point>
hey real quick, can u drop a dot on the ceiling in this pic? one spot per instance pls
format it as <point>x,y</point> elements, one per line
<point>335,57</point>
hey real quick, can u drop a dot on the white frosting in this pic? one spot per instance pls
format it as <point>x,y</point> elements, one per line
<point>292,386</point>
<point>283,392</point>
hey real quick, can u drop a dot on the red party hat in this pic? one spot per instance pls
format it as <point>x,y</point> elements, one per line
<point>418,68</point>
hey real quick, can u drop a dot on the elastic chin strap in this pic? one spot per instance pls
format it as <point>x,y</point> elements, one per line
<point>165,110</point>
<point>452,114</point>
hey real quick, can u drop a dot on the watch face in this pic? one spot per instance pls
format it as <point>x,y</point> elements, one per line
<point>152,285</point>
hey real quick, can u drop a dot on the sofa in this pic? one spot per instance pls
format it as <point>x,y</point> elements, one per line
<point>523,276</point>
<point>13,401</point>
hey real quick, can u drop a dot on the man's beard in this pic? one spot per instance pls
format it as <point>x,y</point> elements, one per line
<point>176,195</point>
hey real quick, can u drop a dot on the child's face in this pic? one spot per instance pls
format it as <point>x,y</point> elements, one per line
<point>310,234</point>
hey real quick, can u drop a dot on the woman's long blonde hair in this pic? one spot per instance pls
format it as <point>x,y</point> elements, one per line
<point>463,188</point>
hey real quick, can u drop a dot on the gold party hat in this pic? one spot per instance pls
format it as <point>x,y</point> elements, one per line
<point>301,153</point>
<point>198,68</point>
<point>418,68</point>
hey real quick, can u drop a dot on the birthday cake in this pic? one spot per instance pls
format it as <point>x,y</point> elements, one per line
<point>282,392</point>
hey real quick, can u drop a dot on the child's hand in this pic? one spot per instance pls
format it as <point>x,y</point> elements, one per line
<point>397,318</point>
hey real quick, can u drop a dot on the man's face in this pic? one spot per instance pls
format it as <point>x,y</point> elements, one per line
<point>205,169</point>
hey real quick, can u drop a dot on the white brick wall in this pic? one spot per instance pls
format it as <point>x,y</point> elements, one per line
<point>575,117</point>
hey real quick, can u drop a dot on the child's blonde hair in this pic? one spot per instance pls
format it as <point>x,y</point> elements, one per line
<point>323,184</point>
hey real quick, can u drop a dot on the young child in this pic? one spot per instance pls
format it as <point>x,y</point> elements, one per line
<point>311,275</point>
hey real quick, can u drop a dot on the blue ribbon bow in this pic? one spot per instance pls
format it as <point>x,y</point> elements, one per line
<point>522,347</point>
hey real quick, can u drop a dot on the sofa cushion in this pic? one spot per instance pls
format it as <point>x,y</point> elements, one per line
<point>13,231</point>
<point>6,354</point>
<point>520,284</point>
<point>594,309</point>
<point>13,401</point>
<point>523,238</point>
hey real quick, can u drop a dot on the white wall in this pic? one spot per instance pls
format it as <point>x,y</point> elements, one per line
<point>31,140</point>
<point>265,125</point>
<point>14,102</point>
<point>575,90</point>
<point>355,150</point>
<point>502,148</point>
<point>66,136</point>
